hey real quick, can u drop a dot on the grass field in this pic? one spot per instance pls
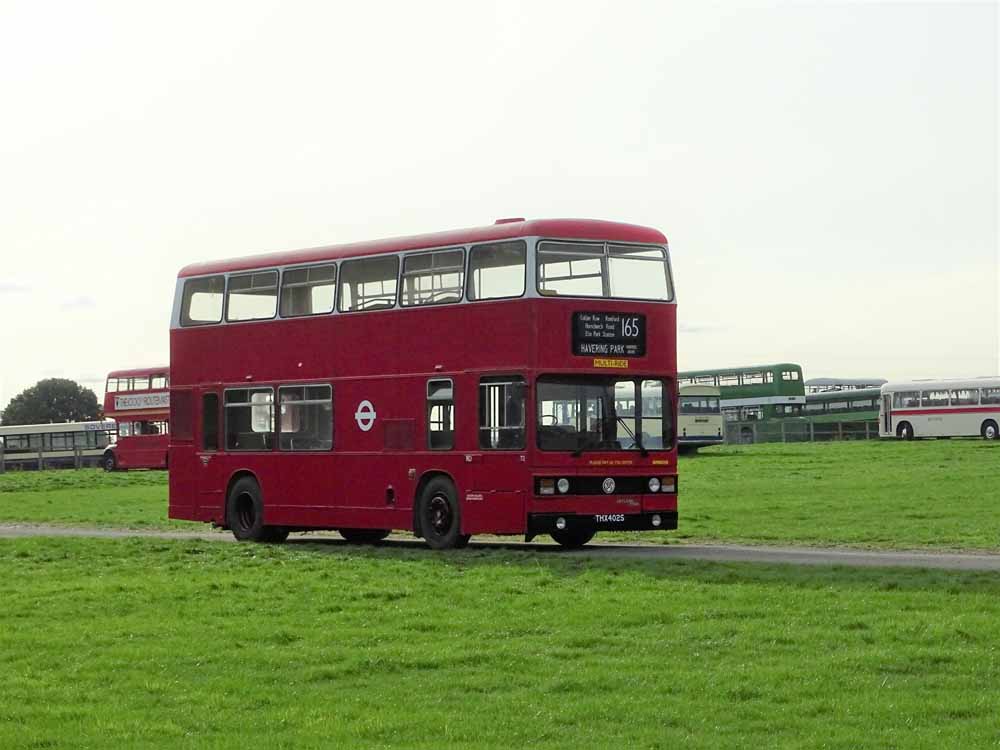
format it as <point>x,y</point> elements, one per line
<point>133,643</point>
<point>923,494</point>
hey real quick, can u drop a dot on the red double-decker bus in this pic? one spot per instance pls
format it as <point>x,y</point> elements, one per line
<point>518,378</point>
<point>139,401</point>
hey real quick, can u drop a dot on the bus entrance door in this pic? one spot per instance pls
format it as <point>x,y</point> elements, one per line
<point>211,500</point>
<point>887,413</point>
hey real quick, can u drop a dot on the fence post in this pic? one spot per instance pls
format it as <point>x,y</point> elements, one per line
<point>77,457</point>
<point>840,431</point>
<point>41,460</point>
<point>867,434</point>
<point>782,430</point>
<point>2,461</point>
<point>812,432</point>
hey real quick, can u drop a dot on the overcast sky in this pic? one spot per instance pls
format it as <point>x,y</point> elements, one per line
<point>826,172</point>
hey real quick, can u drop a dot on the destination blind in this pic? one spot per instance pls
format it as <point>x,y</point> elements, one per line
<point>609,334</point>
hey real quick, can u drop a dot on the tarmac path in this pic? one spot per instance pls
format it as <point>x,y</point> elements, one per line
<point>709,552</point>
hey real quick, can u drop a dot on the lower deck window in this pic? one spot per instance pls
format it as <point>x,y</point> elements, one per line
<point>306,418</point>
<point>249,419</point>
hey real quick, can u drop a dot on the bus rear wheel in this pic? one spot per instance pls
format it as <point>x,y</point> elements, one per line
<point>989,430</point>
<point>573,538</point>
<point>363,536</point>
<point>245,514</point>
<point>904,431</point>
<point>439,516</point>
<point>108,463</point>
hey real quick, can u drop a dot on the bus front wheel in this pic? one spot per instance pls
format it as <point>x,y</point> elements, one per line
<point>573,538</point>
<point>440,519</point>
<point>904,431</point>
<point>989,430</point>
<point>245,514</point>
<point>108,463</point>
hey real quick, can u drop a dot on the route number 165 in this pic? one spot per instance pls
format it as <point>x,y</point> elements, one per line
<point>630,327</point>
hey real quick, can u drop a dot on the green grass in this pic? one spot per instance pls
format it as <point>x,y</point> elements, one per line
<point>939,494</point>
<point>923,494</point>
<point>140,643</point>
<point>87,497</point>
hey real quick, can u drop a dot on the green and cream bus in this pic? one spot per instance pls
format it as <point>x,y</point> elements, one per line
<point>699,418</point>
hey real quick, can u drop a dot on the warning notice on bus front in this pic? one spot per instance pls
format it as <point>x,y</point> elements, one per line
<point>609,334</point>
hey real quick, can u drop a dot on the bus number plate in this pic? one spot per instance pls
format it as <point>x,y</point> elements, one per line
<point>610,518</point>
<point>609,334</point>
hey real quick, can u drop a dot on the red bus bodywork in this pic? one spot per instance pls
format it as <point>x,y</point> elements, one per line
<point>373,478</point>
<point>139,401</point>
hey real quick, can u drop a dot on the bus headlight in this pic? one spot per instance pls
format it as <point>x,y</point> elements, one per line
<point>560,523</point>
<point>669,484</point>
<point>656,520</point>
<point>654,485</point>
<point>563,485</point>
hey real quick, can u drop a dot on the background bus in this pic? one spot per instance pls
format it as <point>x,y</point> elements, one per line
<point>518,378</point>
<point>753,397</point>
<point>699,418</point>
<point>139,401</point>
<point>54,446</point>
<point>941,408</point>
<point>821,385</point>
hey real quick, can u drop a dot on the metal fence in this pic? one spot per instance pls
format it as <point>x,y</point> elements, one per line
<point>77,458</point>
<point>804,431</point>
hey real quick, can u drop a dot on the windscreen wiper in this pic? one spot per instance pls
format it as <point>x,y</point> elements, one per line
<point>638,441</point>
<point>586,446</point>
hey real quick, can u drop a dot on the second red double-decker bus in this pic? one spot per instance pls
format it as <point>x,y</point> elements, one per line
<point>518,378</point>
<point>139,401</point>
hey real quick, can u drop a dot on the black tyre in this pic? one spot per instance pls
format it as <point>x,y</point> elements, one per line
<point>989,430</point>
<point>363,536</point>
<point>245,514</point>
<point>108,462</point>
<point>904,431</point>
<point>439,515</point>
<point>573,538</point>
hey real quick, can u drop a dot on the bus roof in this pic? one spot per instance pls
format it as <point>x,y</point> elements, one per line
<point>985,381</point>
<point>855,382</point>
<point>747,368</point>
<point>34,429</point>
<point>504,229</point>
<point>850,394</point>
<point>139,371</point>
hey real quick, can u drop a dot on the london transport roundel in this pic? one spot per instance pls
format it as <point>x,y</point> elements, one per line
<point>365,415</point>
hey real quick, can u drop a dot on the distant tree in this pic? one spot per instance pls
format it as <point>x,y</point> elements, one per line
<point>52,400</point>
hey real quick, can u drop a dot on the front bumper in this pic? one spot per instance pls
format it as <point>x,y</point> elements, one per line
<point>545,523</point>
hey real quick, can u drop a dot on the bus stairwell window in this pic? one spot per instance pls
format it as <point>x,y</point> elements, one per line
<point>501,413</point>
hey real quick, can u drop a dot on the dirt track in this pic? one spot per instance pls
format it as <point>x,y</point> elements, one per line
<point>711,552</point>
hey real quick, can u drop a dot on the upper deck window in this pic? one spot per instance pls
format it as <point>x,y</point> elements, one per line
<point>308,291</point>
<point>252,296</point>
<point>790,375</point>
<point>159,381</point>
<point>496,270</point>
<point>433,278</point>
<point>202,301</point>
<point>591,269</point>
<point>368,284</point>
